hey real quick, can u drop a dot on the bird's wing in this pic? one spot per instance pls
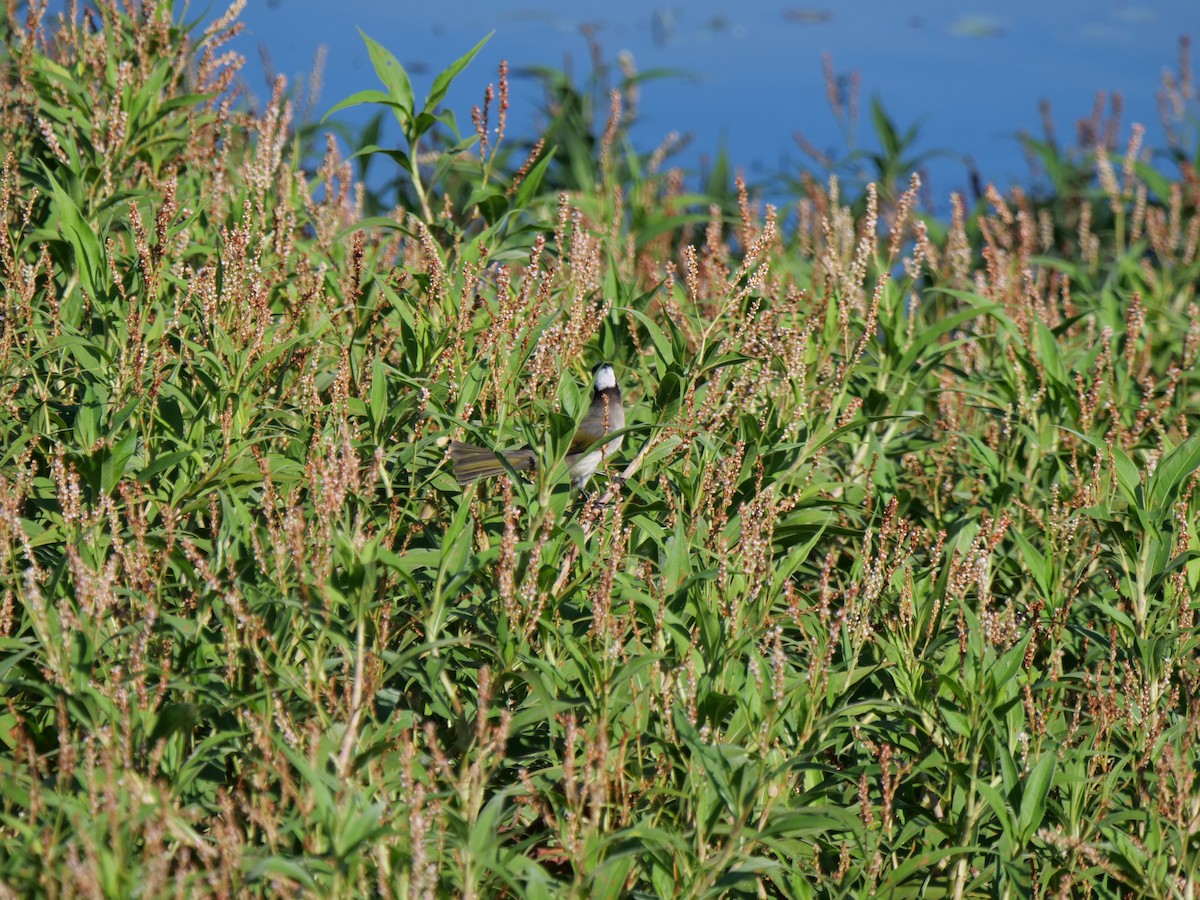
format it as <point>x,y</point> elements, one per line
<point>603,418</point>
<point>581,442</point>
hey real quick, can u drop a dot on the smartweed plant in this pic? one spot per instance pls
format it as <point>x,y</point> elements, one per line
<point>896,594</point>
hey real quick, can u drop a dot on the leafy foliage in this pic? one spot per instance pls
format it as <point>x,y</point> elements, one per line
<point>896,592</point>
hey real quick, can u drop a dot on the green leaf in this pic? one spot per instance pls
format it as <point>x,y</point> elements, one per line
<point>393,77</point>
<point>669,396</point>
<point>1034,561</point>
<point>277,865</point>
<point>1172,471</point>
<point>924,862</point>
<point>89,254</point>
<point>491,201</point>
<point>399,157</point>
<point>677,562</point>
<point>172,718</point>
<point>378,397</point>
<point>89,419</point>
<point>1129,478</point>
<point>448,156</point>
<point>441,84</point>
<point>362,827</point>
<point>112,470</point>
<point>455,550</point>
<point>357,99</point>
<point>1049,353</point>
<point>927,336</point>
<point>885,130</point>
<point>1007,665</point>
<point>1033,799</point>
<point>661,342</point>
<point>533,181</point>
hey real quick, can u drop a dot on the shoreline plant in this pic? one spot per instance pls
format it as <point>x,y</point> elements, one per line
<point>897,595</point>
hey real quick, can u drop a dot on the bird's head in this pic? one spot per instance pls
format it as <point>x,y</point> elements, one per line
<point>603,377</point>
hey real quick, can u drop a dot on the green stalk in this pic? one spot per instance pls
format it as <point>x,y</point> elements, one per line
<point>418,186</point>
<point>968,826</point>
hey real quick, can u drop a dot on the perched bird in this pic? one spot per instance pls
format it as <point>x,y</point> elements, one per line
<point>604,416</point>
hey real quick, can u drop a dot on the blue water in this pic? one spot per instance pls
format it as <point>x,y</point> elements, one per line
<point>972,73</point>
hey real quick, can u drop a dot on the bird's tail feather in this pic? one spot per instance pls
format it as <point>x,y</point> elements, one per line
<point>472,462</point>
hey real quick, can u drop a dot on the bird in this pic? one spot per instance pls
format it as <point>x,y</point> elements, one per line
<point>605,416</point>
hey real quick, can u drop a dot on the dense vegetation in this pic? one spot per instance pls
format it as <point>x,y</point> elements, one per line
<point>898,593</point>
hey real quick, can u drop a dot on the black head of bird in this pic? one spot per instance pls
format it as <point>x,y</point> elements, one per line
<point>605,416</point>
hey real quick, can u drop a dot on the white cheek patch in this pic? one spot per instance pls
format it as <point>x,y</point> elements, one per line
<point>605,379</point>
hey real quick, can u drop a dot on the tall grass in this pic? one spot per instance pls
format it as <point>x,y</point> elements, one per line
<point>897,594</point>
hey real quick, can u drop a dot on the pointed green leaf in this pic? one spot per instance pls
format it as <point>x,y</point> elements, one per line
<point>357,99</point>
<point>533,181</point>
<point>441,84</point>
<point>392,74</point>
<point>1049,353</point>
<point>1172,471</point>
<point>1033,799</point>
<point>89,254</point>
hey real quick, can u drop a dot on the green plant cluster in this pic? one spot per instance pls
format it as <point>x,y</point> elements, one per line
<point>892,588</point>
